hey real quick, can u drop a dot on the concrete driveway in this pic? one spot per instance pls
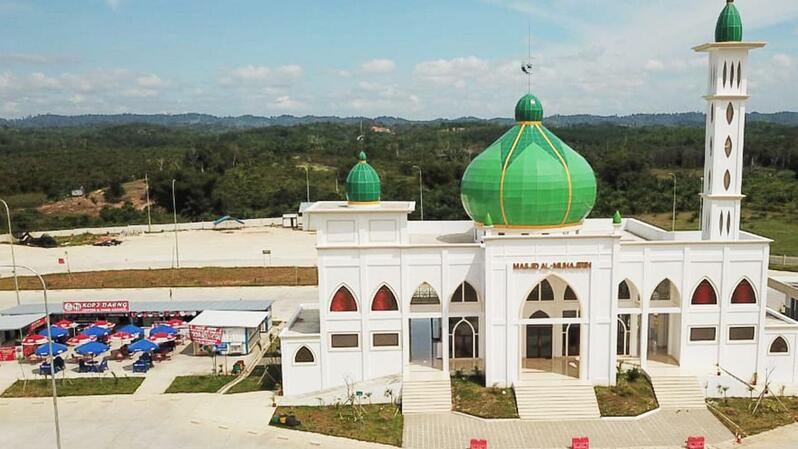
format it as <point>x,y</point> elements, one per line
<point>207,421</point>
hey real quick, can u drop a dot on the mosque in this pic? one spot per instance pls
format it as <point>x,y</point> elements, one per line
<point>534,295</point>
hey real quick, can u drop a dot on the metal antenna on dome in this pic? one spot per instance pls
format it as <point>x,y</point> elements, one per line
<point>527,67</point>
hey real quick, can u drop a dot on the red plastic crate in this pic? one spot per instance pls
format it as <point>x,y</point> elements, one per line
<point>695,442</point>
<point>580,443</point>
<point>478,444</point>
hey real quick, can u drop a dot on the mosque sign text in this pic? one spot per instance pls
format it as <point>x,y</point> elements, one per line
<point>552,265</point>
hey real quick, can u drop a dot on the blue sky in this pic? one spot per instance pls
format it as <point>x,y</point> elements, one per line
<point>409,58</point>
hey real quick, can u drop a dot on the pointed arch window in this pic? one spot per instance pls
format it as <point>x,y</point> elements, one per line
<point>425,294</point>
<point>779,346</point>
<point>743,293</point>
<point>704,294</point>
<point>570,295</point>
<point>465,293</point>
<point>304,355</point>
<point>623,291</point>
<point>384,300</point>
<point>727,180</point>
<point>662,292</point>
<point>739,74</point>
<point>728,146</point>
<point>343,301</point>
<point>729,113</point>
<point>725,66</point>
<point>539,315</point>
<point>542,292</point>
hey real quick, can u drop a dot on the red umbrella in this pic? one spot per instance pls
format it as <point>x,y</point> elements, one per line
<point>65,324</point>
<point>34,339</point>
<point>122,337</point>
<point>105,324</point>
<point>161,337</point>
<point>80,339</point>
<point>174,322</point>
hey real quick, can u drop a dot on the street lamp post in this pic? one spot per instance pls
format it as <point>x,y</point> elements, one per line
<point>420,191</point>
<point>147,189</point>
<point>11,243</point>
<point>174,214</point>
<point>673,217</point>
<point>307,182</point>
<point>50,352</point>
<point>336,180</point>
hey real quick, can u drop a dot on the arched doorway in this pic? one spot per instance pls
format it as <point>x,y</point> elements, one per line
<point>546,346</point>
<point>664,324</point>
<point>425,331</point>
<point>538,338</point>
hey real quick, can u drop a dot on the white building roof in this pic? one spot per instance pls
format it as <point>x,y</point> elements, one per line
<point>16,322</point>
<point>227,318</point>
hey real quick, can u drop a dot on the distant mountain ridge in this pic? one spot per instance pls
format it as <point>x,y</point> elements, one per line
<point>251,121</point>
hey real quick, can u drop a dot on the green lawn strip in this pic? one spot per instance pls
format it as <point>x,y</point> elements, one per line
<point>73,387</point>
<point>627,398</point>
<point>381,423</point>
<point>262,378</point>
<point>470,396</point>
<point>770,414</point>
<point>199,384</point>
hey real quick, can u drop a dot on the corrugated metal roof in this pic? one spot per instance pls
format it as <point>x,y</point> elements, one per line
<point>16,322</point>
<point>307,322</point>
<point>230,318</point>
<point>157,306</point>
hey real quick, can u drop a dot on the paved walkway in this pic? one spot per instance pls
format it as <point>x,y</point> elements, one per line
<point>663,429</point>
<point>189,421</point>
<point>785,437</point>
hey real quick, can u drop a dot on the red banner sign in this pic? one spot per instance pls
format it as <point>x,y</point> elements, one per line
<point>116,306</point>
<point>8,353</point>
<point>41,322</point>
<point>205,335</point>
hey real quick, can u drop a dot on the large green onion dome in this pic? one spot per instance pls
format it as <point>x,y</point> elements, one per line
<point>362,183</point>
<point>528,178</point>
<point>729,27</point>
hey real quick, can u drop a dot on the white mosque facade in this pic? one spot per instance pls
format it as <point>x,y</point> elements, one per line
<point>530,288</point>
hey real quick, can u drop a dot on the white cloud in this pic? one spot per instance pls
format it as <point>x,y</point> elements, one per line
<point>782,60</point>
<point>378,66</point>
<point>258,74</point>
<point>343,73</point>
<point>654,65</point>
<point>150,81</point>
<point>114,4</point>
<point>34,59</point>
<point>286,103</point>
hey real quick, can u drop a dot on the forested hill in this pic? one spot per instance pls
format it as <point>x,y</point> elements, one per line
<point>252,121</point>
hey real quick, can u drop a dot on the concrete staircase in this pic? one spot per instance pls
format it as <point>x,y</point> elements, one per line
<point>427,396</point>
<point>556,400</point>
<point>677,391</point>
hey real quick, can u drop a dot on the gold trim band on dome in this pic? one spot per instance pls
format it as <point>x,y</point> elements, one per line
<point>557,226</point>
<point>532,123</point>
<point>362,203</point>
<point>567,173</point>
<point>504,171</point>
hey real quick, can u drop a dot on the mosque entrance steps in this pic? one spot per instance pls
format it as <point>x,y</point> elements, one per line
<point>675,388</point>
<point>425,390</point>
<point>553,397</point>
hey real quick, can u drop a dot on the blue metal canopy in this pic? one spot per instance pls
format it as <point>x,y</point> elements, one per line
<point>96,331</point>
<point>44,349</point>
<point>143,346</point>
<point>92,348</point>
<point>163,329</point>
<point>56,331</point>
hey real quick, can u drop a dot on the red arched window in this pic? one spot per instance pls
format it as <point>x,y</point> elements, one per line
<point>743,293</point>
<point>704,294</point>
<point>343,301</point>
<point>384,300</point>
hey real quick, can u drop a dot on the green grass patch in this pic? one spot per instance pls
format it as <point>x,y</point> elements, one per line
<point>73,387</point>
<point>199,384</point>
<point>378,423</point>
<point>262,378</point>
<point>770,414</point>
<point>780,229</point>
<point>470,396</point>
<point>631,396</point>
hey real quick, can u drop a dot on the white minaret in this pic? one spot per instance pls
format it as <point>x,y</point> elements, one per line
<point>727,92</point>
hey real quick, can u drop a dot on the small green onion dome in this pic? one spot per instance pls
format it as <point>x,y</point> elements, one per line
<point>729,27</point>
<point>528,178</point>
<point>362,183</point>
<point>616,217</point>
<point>528,109</point>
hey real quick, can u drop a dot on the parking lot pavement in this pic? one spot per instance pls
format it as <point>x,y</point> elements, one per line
<point>285,298</point>
<point>189,421</point>
<point>198,248</point>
